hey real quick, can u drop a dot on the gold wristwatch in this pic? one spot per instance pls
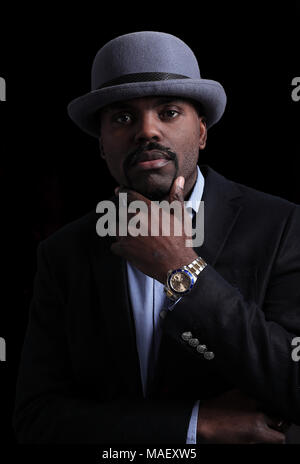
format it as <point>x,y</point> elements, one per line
<point>181,281</point>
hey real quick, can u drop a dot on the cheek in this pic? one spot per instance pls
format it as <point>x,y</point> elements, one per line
<point>114,160</point>
<point>187,147</point>
<point>114,166</point>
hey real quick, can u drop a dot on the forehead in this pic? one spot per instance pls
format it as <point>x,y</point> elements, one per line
<point>144,102</point>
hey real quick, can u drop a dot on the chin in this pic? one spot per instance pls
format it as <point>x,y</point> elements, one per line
<point>153,191</point>
<point>154,184</point>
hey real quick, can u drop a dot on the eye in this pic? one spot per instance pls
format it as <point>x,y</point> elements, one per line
<point>123,118</point>
<point>169,114</point>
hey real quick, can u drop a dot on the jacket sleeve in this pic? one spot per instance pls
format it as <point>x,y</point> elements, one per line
<point>252,344</point>
<point>50,406</point>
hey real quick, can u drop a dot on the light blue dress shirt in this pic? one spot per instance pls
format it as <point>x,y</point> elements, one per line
<point>149,304</point>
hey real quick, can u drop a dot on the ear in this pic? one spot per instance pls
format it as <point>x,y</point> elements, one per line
<point>203,133</point>
<point>102,154</point>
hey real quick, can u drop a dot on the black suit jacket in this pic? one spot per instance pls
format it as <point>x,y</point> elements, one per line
<point>79,378</point>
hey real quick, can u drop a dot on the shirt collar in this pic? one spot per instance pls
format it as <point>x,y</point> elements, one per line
<point>193,203</point>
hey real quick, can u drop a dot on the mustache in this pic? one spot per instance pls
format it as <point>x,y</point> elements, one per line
<point>133,157</point>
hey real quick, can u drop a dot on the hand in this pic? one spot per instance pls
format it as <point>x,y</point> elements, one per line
<point>155,255</point>
<point>234,418</point>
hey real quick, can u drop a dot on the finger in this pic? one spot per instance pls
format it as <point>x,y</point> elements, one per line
<point>117,248</point>
<point>123,248</point>
<point>177,190</point>
<point>277,423</point>
<point>265,433</point>
<point>273,436</point>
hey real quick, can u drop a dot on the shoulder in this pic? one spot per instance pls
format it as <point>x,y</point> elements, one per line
<point>256,201</point>
<point>73,243</point>
<point>264,198</point>
<point>270,211</point>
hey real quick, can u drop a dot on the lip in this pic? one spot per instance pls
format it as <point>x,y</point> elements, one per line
<point>152,159</point>
<point>152,164</point>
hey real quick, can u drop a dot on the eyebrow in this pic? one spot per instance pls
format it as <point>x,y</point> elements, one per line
<point>127,106</point>
<point>166,100</point>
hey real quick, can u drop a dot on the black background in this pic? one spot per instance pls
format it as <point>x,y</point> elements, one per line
<point>51,172</point>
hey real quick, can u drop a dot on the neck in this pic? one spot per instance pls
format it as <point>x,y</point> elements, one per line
<point>189,184</point>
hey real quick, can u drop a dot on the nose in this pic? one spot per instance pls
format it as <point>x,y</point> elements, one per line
<point>148,128</point>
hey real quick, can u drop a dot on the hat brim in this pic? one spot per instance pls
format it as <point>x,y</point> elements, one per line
<point>84,110</point>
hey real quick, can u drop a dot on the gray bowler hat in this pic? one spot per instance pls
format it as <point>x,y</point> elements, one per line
<point>144,64</point>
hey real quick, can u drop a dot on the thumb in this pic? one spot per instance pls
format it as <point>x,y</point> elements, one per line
<point>177,190</point>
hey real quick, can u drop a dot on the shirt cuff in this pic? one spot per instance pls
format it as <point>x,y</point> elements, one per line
<point>191,437</point>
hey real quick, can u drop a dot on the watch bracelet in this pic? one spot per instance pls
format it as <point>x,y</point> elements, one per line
<point>196,266</point>
<point>172,296</point>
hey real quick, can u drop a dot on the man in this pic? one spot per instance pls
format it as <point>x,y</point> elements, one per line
<point>143,339</point>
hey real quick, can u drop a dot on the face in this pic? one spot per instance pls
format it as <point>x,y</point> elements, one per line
<point>148,142</point>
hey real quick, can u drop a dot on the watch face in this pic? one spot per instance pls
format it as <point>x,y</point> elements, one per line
<point>180,281</point>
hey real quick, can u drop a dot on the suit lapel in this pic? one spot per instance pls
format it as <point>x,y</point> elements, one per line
<point>222,206</point>
<point>111,282</point>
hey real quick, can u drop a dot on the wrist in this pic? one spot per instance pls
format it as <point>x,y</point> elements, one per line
<point>179,262</point>
<point>203,428</point>
<point>180,281</point>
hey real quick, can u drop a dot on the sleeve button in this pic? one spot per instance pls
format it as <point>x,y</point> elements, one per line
<point>186,335</point>
<point>201,348</point>
<point>193,342</point>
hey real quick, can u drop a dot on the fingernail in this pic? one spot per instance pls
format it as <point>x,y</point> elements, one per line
<point>181,182</point>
